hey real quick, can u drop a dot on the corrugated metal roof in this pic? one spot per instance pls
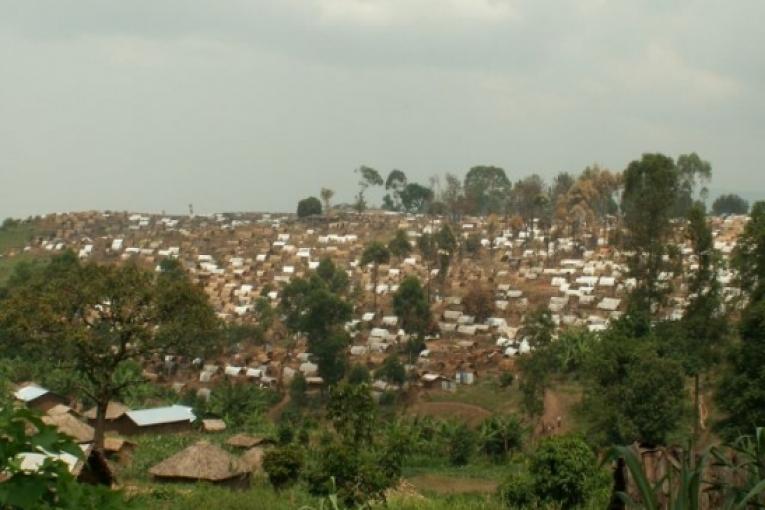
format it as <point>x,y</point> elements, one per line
<point>31,392</point>
<point>160,415</point>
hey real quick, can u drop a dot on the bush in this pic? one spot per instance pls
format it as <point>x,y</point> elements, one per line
<point>506,379</point>
<point>392,370</point>
<point>500,436</point>
<point>461,444</point>
<point>566,472</point>
<point>358,374</point>
<point>283,466</point>
<point>310,206</point>
<point>518,490</point>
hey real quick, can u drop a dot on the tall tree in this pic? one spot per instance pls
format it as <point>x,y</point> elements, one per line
<point>742,390</point>
<point>730,204</point>
<point>375,253</point>
<point>415,198</point>
<point>428,249</point>
<point>394,185</point>
<point>486,189</point>
<point>326,197</point>
<point>367,177</point>
<point>453,197</point>
<point>650,192</point>
<point>411,305</point>
<point>309,207</point>
<point>96,318</point>
<point>400,246</point>
<point>692,172</point>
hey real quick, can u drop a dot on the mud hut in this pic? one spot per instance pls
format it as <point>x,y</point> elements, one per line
<point>205,462</point>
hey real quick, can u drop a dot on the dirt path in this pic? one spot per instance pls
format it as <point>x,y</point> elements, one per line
<point>555,420</point>
<point>276,412</point>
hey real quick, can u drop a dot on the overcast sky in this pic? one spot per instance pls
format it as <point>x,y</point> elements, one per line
<point>148,105</point>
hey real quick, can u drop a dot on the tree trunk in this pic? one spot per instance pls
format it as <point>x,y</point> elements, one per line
<point>98,438</point>
<point>696,406</point>
<point>620,485</point>
<point>374,287</point>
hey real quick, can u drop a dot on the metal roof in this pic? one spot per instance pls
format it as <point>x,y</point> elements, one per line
<point>160,415</point>
<point>31,392</point>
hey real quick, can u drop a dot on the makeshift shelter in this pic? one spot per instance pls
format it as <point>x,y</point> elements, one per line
<point>203,461</point>
<point>37,397</point>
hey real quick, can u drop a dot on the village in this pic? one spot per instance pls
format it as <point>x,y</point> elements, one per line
<point>239,259</point>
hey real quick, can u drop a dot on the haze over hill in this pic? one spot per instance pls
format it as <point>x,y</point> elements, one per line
<point>252,105</point>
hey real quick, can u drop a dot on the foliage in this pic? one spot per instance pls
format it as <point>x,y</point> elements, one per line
<point>479,302</point>
<point>96,317</point>
<point>730,204</point>
<point>375,253</point>
<point>461,445</point>
<point>240,403</point>
<point>367,177</point>
<point>566,471</point>
<point>650,191</point>
<point>333,277</point>
<point>518,490</point>
<point>692,171</point>
<point>51,485</point>
<point>486,189</point>
<point>283,465</point>
<point>330,356</point>
<point>392,370</point>
<point>351,411</point>
<point>500,436</point>
<point>298,388</point>
<point>411,306</point>
<point>326,195</point>
<point>506,379</point>
<point>358,374</point>
<point>399,246</point>
<point>749,255</point>
<point>632,392</point>
<point>473,244</point>
<point>415,198</point>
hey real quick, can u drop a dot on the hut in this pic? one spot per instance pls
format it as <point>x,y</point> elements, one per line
<point>37,397</point>
<point>205,462</point>
<point>71,426</point>
<point>158,420</point>
<point>247,441</point>
<point>115,412</point>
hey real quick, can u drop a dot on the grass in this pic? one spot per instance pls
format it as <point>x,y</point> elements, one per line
<point>486,393</point>
<point>13,238</point>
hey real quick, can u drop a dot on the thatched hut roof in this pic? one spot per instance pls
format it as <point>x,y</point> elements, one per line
<point>59,409</point>
<point>113,411</point>
<point>213,425</point>
<point>253,459</point>
<point>71,426</point>
<point>200,461</point>
<point>245,441</point>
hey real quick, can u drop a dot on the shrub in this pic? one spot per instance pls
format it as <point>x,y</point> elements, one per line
<point>506,379</point>
<point>461,444</point>
<point>518,490</point>
<point>283,466</point>
<point>310,206</point>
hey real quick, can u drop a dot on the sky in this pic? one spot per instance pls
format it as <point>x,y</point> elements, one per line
<point>234,105</point>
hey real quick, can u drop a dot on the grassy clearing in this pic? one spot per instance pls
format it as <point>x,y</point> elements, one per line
<point>486,394</point>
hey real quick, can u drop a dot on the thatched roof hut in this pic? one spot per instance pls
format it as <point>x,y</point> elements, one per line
<point>213,425</point>
<point>114,410</point>
<point>253,459</point>
<point>203,461</point>
<point>71,426</point>
<point>246,441</point>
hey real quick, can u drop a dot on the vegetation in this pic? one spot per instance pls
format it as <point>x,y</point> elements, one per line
<point>310,206</point>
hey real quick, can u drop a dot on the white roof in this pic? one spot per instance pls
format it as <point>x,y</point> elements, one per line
<point>159,415</point>
<point>31,392</point>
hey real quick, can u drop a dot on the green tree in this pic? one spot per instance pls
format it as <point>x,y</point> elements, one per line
<point>461,444</point>
<point>331,357</point>
<point>335,278</point>
<point>394,185</point>
<point>428,249</point>
<point>283,465</point>
<point>479,302</point>
<point>326,195</point>
<point>375,253</point>
<point>400,246</point>
<point>367,177</point>
<point>692,172</point>
<point>358,374</point>
<point>411,306</point>
<point>486,188</point>
<point>730,204</point>
<point>566,472</point>
<point>632,391</point>
<point>650,193</point>
<point>392,370</point>
<point>309,207</point>
<point>94,318</point>
<point>500,436</point>
<point>749,255</point>
<point>298,389</point>
<point>415,198</point>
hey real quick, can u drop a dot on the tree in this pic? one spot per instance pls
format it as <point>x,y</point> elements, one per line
<point>461,445</point>
<point>453,197</point>
<point>298,389</point>
<point>309,207</point>
<point>375,253</point>
<point>411,305</point>
<point>479,302</point>
<point>703,324</point>
<point>51,485</point>
<point>367,177</point>
<point>485,189</point>
<point>330,356</point>
<point>730,204</point>
<point>326,197</point>
<point>283,465</point>
<point>500,436</point>
<point>395,185</point>
<point>742,389</point>
<point>333,277</point>
<point>529,199</point>
<point>358,374</point>
<point>415,198</point>
<point>566,472</point>
<point>428,249</point>
<point>632,392</point>
<point>94,318</point>
<point>650,192</point>
<point>447,244</point>
<point>392,371</point>
<point>400,246</point>
<point>692,172</point>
